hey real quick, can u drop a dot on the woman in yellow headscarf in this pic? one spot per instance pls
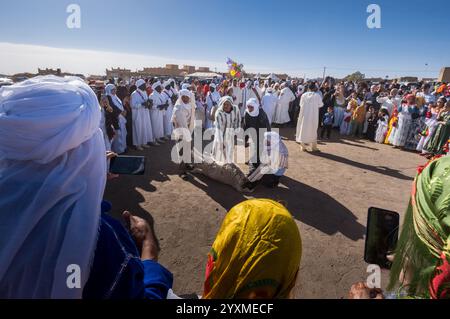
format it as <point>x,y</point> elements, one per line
<point>256,253</point>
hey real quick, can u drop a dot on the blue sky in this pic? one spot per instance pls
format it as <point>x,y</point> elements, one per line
<point>292,36</point>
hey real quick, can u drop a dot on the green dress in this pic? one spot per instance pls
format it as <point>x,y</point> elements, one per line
<point>440,136</point>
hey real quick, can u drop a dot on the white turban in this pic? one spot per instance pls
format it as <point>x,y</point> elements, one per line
<point>180,104</point>
<point>212,85</point>
<point>117,102</point>
<point>155,85</point>
<point>140,82</point>
<point>253,102</point>
<point>185,86</point>
<point>109,88</point>
<point>52,178</point>
<point>166,84</point>
<point>185,92</point>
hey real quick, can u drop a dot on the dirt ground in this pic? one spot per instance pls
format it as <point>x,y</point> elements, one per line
<point>328,193</point>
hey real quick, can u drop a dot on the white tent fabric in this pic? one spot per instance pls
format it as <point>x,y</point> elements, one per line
<point>204,75</point>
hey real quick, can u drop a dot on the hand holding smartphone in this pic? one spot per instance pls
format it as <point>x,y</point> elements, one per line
<point>381,236</point>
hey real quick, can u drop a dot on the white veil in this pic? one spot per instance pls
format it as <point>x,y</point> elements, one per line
<point>52,178</point>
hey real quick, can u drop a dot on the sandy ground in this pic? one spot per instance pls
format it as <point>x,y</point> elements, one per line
<point>328,193</point>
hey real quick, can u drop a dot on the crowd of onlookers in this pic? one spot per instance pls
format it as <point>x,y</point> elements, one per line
<point>411,116</point>
<point>414,117</point>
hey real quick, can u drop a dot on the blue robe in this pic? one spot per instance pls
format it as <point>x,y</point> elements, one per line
<point>118,272</point>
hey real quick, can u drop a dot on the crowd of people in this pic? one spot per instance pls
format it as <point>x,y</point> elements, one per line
<point>53,171</point>
<point>148,112</point>
<point>413,117</point>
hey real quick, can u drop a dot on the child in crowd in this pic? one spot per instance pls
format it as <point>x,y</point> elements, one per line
<point>327,123</point>
<point>392,128</point>
<point>345,125</point>
<point>405,112</point>
<point>431,124</point>
<point>383,119</point>
<point>358,118</point>
<point>372,120</point>
<point>438,142</point>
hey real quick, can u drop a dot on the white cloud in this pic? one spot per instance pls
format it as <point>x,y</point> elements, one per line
<point>16,58</point>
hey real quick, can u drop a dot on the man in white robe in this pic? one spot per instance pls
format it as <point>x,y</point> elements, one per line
<point>285,99</point>
<point>265,87</point>
<point>183,117</point>
<point>119,144</point>
<point>142,125</point>
<point>212,102</point>
<point>173,86</point>
<point>257,91</point>
<point>269,104</point>
<point>237,94</point>
<point>247,94</point>
<point>227,121</point>
<point>157,112</point>
<point>169,97</point>
<point>198,118</point>
<point>308,119</point>
<point>390,102</point>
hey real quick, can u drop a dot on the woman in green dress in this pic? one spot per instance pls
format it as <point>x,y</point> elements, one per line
<point>436,144</point>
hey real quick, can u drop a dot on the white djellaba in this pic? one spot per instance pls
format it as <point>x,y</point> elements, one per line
<point>142,125</point>
<point>308,119</point>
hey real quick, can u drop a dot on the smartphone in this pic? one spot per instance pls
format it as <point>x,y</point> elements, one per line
<point>381,236</point>
<point>127,165</point>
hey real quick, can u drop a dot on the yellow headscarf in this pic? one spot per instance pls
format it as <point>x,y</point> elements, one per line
<point>258,249</point>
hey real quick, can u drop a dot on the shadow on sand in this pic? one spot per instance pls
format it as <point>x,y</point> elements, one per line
<point>377,169</point>
<point>307,204</point>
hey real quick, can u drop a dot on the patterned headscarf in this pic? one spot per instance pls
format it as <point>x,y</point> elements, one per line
<point>424,245</point>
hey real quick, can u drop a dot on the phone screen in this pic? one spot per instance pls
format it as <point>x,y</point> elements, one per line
<point>381,236</point>
<point>127,165</point>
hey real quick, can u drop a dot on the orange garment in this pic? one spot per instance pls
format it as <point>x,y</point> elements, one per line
<point>359,115</point>
<point>392,124</point>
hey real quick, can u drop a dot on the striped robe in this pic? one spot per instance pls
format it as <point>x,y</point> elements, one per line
<point>225,125</point>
